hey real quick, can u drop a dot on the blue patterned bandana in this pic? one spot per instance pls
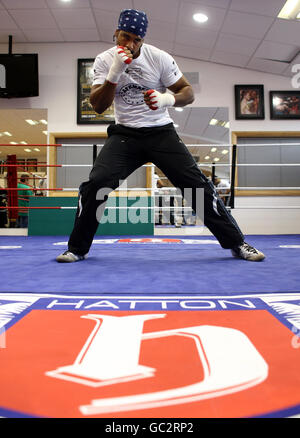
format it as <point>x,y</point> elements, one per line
<point>133,21</point>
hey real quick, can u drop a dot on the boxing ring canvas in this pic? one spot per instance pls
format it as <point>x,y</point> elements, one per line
<point>149,328</point>
<point>143,264</point>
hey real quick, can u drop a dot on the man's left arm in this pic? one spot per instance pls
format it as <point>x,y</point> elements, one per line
<point>183,94</point>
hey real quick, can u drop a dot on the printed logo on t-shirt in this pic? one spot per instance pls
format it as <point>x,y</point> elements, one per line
<point>134,73</point>
<point>132,94</point>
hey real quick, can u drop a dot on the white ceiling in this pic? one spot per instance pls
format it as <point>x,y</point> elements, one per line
<point>242,33</point>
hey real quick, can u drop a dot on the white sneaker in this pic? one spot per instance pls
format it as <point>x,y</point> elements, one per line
<point>69,257</point>
<point>247,252</point>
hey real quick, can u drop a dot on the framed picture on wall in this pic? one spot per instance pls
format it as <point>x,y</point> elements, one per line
<point>285,104</point>
<point>249,102</point>
<point>85,113</point>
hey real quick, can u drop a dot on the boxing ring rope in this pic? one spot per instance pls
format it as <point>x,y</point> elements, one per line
<point>156,191</point>
<point>188,145</point>
<point>152,165</point>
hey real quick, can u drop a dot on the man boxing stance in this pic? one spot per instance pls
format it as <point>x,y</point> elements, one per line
<point>136,77</point>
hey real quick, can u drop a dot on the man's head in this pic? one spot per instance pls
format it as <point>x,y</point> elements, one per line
<point>133,21</point>
<point>131,30</point>
<point>24,178</point>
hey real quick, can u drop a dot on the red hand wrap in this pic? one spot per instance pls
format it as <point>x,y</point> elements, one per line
<point>128,60</point>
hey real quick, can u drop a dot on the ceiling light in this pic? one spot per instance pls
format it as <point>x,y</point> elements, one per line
<point>45,132</point>
<point>27,150</point>
<point>224,151</point>
<point>213,149</point>
<point>36,149</point>
<point>216,159</point>
<point>200,18</point>
<point>12,142</point>
<point>290,10</point>
<point>44,122</point>
<point>7,133</point>
<point>32,122</point>
<point>23,142</point>
<point>207,157</point>
<point>216,122</point>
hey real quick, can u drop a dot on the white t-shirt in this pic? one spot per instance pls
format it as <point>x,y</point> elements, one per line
<point>152,69</point>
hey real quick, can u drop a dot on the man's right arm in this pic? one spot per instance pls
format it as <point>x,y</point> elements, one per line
<point>102,96</point>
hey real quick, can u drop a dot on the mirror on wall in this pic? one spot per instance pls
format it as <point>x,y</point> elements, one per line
<point>24,130</point>
<point>205,131</point>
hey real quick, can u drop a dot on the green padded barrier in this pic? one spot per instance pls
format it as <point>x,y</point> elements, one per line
<point>55,222</point>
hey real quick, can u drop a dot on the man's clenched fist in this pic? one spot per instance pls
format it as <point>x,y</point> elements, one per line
<point>122,57</point>
<point>124,54</point>
<point>154,99</point>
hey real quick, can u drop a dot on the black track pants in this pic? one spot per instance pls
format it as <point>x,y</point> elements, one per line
<point>125,150</point>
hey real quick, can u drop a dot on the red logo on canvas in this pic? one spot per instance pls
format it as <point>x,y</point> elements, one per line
<point>63,363</point>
